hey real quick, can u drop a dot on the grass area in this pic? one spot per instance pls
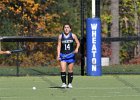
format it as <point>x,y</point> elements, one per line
<point>121,69</point>
<point>47,70</point>
<point>106,87</point>
<point>11,71</point>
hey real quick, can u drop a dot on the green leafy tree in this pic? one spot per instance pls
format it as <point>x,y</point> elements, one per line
<point>69,11</point>
<point>129,26</point>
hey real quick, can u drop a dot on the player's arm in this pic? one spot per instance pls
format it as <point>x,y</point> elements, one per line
<point>59,47</point>
<point>77,43</point>
<point>5,52</point>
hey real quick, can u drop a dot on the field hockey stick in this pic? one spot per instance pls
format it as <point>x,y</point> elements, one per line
<point>17,51</point>
<point>63,57</point>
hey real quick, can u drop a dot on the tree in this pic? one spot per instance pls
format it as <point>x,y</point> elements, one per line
<point>31,18</point>
<point>129,26</point>
<point>115,46</point>
<point>6,23</point>
<point>69,10</point>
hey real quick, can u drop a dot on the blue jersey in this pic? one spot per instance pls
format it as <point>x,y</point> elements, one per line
<point>67,48</point>
<point>67,43</point>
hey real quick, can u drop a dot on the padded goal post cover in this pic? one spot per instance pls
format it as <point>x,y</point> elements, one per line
<point>93,46</point>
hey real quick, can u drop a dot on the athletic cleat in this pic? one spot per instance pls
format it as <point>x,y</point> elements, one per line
<point>69,85</point>
<point>63,85</point>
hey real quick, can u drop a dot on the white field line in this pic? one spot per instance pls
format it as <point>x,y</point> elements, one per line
<point>14,97</point>
<point>99,96</point>
<point>104,88</point>
<point>75,88</point>
<point>76,96</point>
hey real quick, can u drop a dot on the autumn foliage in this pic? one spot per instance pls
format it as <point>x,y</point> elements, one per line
<point>31,18</point>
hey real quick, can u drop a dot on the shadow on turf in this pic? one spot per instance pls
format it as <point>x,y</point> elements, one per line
<point>56,87</point>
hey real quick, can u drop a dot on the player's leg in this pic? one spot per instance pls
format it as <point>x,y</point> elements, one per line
<point>70,74</point>
<point>63,73</point>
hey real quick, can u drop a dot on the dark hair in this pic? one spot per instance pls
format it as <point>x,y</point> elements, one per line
<point>67,24</point>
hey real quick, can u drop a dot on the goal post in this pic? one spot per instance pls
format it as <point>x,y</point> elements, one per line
<point>93,40</point>
<point>93,31</point>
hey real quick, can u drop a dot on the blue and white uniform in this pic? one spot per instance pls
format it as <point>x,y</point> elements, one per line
<point>67,47</point>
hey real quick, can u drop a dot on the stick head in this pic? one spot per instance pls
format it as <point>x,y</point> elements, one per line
<point>16,51</point>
